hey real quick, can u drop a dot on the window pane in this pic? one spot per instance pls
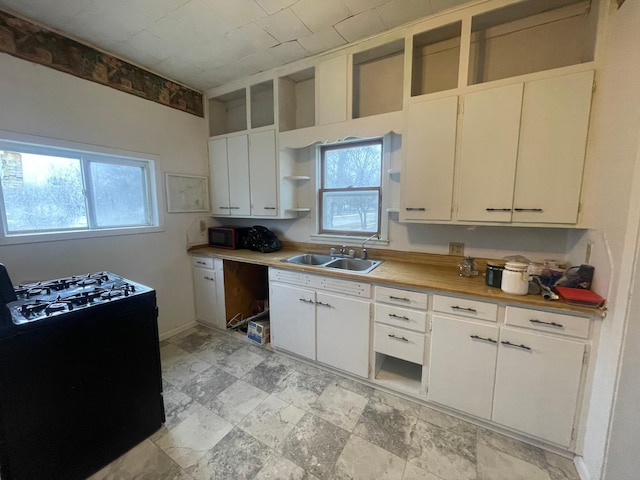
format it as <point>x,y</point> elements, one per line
<point>42,192</point>
<point>350,211</point>
<point>356,166</point>
<point>119,194</point>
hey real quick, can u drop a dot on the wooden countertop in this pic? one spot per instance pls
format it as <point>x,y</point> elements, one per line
<point>437,273</point>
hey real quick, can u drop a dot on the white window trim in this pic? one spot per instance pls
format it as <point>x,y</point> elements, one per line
<point>384,194</point>
<point>156,193</point>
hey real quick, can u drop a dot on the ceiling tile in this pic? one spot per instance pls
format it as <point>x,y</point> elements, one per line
<point>176,64</point>
<point>126,51</point>
<point>397,12</point>
<point>318,16</point>
<point>237,12</point>
<point>251,35</point>
<point>288,52</point>
<point>196,14</point>
<point>260,61</point>
<point>360,26</point>
<point>156,9</point>
<point>359,6</point>
<point>149,43</point>
<point>322,41</point>
<point>175,33</point>
<point>273,6</point>
<point>205,56</point>
<point>284,26</point>
<point>439,5</point>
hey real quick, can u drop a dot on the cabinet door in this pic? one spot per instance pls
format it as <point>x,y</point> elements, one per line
<point>293,319</point>
<point>553,138</point>
<point>462,365</point>
<point>427,176</point>
<point>343,332</point>
<point>331,91</point>
<point>219,171</point>
<point>204,280</point>
<point>489,148</point>
<point>262,174</point>
<point>537,383</point>
<point>238,162</point>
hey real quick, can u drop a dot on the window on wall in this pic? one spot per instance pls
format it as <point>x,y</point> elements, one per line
<point>350,193</point>
<point>46,189</point>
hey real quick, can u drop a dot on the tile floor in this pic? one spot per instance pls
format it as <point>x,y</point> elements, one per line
<point>237,411</point>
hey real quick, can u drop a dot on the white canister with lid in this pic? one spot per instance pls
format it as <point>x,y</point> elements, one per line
<point>515,279</point>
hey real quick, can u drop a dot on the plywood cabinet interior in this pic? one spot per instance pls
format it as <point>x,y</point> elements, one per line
<point>429,156</point>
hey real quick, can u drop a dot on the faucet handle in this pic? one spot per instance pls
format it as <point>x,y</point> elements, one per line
<point>352,253</point>
<point>332,251</point>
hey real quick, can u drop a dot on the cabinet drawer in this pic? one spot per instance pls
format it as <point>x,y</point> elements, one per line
<point>202,262</point>
<point>401,317</point>
<point>548,322</point>
<point>465,307</point>
<point>403,298</point>
<point>399,343</point>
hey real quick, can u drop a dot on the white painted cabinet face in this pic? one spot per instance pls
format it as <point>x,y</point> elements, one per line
<point>204,280</point>
<point>427,175</point>
<point>537,384</point>
<point>219,172</point>
<point>238,161</point>
<point>462,364</point>
<point>331,91</point>
<point>293,319</point>
<point>262,172</point>
<point>343,326</point>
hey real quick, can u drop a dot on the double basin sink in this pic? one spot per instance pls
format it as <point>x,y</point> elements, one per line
<point>348,264</point>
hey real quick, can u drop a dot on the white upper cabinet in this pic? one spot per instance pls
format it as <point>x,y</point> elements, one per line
<point>331,90</point>
<point>238,164</point>
<point>219,171</point>
<point>553,138</point>
<point>427,178</point>
<point>489,148</point>
<point>263,173</point>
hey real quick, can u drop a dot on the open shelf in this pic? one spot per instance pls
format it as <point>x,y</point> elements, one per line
<point>228,113</point>
<point>296,100</point>
<point>378,79</point>
<point>398,373</point>
<point>531,36</point>
<point>261,96</point>
<point>436,59</point>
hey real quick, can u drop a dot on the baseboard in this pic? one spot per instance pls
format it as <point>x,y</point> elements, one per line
<point>177,330</point>
<point>581,467</point>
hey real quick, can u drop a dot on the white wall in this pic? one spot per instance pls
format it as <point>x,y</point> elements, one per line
<point>611,158</point>
<point>40,101</point>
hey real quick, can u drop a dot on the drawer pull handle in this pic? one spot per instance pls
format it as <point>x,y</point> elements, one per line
<point>488,339</point>
<point>209,278</point>
<point>403,339</point>
<point>269,208</point>
<point>306,300</point>
<point>498,209</point>
<point>466,309</point>
<point>399,317</point>
<point>400,299</point>
<point>415,209</point>
<point>507,342</point>
<point>551,324</point>
<point>322,304</point>
<point>234,208</point>
<point>538,210</point>
<point>223,208</point>
<point>201,263</point>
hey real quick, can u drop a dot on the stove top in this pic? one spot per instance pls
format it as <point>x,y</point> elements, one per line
<point>41,300</point>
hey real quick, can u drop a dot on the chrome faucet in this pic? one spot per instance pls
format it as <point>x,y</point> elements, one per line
<point>363,251</point>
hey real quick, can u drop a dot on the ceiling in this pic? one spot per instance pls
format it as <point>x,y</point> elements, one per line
<point>207,43</point>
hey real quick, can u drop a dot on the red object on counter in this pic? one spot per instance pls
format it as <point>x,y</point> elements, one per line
<point>580,296</point>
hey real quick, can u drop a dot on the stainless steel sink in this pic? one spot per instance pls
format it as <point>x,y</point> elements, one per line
<point>321,260</point>
<point>316,259</point>
<point>354,264</point>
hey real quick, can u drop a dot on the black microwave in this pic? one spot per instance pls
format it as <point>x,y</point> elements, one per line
<point>228,237</point>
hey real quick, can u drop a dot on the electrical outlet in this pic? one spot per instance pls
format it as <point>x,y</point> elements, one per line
<point>587,255</point>
<point>456,248</point>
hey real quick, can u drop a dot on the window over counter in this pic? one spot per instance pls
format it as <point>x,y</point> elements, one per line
<point>350,190</point>
<point>52,190</point>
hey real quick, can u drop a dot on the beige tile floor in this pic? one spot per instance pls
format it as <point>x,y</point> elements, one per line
<point>238,411</point>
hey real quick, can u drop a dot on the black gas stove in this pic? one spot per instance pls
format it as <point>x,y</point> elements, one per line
<point>42,300</point>
<point>80,380</point>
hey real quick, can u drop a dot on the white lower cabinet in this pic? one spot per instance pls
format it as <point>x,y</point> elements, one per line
<point>207,281</point>
<point>316,321</point>
<point>462,364</point>
<point>537,384</point>
<point>342,329</point>
<point>292,313</point>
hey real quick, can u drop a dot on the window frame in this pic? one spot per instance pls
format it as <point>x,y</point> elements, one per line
<point>379,189</point>
<point>86,155</point>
